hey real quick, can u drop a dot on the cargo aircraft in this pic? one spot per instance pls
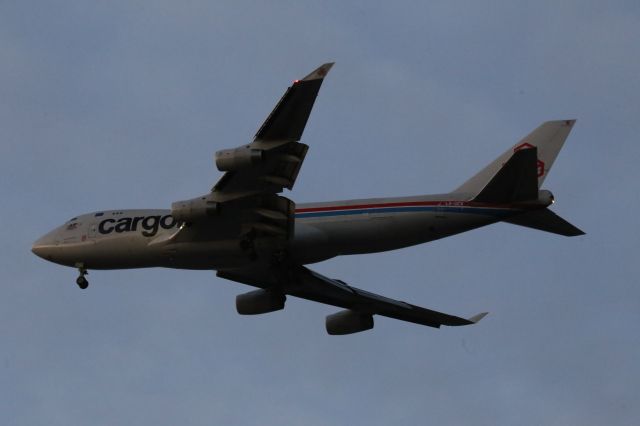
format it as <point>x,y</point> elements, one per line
<point>247,232</point>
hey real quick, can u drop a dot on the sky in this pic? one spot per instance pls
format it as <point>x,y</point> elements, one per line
<point>122,104</point>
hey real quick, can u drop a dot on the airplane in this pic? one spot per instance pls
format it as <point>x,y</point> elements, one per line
<point>247,232</point>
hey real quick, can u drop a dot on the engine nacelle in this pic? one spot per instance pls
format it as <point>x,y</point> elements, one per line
<point>194,209</point>
<point>348,322</point>
<point>229,160</point>
<point>259,302</point>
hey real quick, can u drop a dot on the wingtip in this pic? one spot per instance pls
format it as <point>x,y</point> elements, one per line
<point>476,318</point>
<point>320,72</point>
<point>561,123</point>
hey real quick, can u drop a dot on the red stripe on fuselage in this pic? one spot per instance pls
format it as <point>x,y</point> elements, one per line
<point>403,204</point>
<point>367,206</point>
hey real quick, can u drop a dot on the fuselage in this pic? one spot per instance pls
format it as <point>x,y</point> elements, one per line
<point>119,239</point>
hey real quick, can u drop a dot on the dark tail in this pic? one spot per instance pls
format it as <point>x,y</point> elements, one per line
<point>515,177</point>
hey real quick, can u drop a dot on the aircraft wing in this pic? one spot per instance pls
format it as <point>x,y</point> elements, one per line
<point>302,282</point>
<point>245,201</point>
<point>281,155</point>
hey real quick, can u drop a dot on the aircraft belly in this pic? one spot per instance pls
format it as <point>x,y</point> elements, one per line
<point>139,254</point>
<point>117,253</point>
<point>205,255</point>
<point>370,233</point>
<point>126,251</point>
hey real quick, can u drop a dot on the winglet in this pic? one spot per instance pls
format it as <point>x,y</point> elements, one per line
<point>319,73</point>
<point>476,318</point>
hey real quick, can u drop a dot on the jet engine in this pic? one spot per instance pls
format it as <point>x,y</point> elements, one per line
<point>193,210</point>
<point>348,322</point>
<point>259,302</point>
<point>229,160</point>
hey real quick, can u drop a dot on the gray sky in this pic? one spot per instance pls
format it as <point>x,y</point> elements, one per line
<point>122,104</point>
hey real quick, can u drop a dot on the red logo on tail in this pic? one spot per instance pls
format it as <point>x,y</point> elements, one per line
<point>540,163</point>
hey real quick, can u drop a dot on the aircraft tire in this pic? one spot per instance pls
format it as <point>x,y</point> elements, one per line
<point>82,282</point>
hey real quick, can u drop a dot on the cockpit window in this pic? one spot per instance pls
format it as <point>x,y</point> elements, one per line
<point>71,220</point>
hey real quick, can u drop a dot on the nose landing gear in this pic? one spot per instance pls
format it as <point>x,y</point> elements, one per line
<point>81,280</point>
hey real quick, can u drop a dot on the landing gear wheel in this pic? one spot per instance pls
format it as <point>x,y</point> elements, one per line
<point>82,282</point>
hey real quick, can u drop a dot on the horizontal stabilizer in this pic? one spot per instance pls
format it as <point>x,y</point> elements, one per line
<point>545,220</point>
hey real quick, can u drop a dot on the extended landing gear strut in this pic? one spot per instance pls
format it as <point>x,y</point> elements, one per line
<point>81,280</point>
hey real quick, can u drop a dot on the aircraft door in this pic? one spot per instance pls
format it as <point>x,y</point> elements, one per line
<point>92,230</point>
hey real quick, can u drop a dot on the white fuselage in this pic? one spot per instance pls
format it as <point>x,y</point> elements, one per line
<point>140,238</point>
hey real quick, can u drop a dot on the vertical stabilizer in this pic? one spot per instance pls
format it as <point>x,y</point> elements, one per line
<point>548,138</point>
<point>516,181</point>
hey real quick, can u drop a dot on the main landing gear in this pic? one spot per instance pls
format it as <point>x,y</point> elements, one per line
<point>81,280</point>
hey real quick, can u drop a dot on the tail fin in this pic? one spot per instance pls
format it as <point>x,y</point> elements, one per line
<point>516,176</point>
<point>516,181</point>
<point>497,178</point>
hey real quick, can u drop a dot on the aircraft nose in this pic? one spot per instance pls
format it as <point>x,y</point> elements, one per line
<point>43,247</point>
